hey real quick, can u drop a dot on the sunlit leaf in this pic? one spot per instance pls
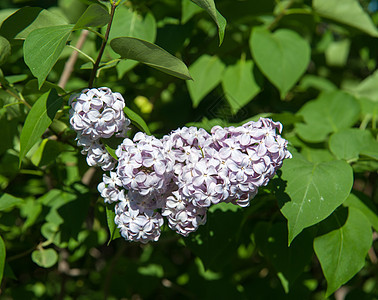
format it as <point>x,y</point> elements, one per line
<point>221,22</point>
<point>315,191</point>
<point>45,258</point>
<point>239,84</point>
<point>43,47</point>
<point>94,16</point>
<point>137,120</point>
<point>342,252</point>
<point>2,258</point>
<point>8,201</point>
<point>283,56</point>
<point>207,73</point>
<point>113,230</point>
<point>348,12</point>
<point>330,112</point>
<point>20,24</point>
<point>151,55</point>
<point>38,120</point>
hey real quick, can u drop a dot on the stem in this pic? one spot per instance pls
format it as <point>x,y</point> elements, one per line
<point>96,33</point>
<point>104,42</point>
<point>280,15</point>
<point>82,53</point>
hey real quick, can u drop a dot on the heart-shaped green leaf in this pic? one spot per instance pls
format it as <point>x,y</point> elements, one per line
<point>342,252</point>
<point>315,189</point>
<point>347,12</point>
<point>151,55</point>
<point>207,73</point>
<point>38,120</point>
<point>283,56</point>
<point>239,84</point>
<point>43,47</point>
<point>45,258</point>
<point>330,112</point>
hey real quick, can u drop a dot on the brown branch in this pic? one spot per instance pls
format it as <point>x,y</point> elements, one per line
<point>69,66</point>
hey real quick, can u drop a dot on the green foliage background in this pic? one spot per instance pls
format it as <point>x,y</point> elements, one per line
<point>312,65</point>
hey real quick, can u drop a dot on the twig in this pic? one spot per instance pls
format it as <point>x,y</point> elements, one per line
<point>280,15</point>
<point>104,42</point>
<point>69,66</point>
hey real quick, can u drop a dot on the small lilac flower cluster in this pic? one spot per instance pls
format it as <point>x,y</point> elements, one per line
<point>96,114</point>
<point>181,175</point>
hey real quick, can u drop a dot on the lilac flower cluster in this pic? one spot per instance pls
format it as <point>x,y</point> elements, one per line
<point>187,171</point>
<point>96,114</point>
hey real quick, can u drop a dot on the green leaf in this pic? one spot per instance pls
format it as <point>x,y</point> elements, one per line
<point>94,16</point>
<point>349,143</point>
<point>364,205</point>
<point>5,50</point>
<point>113,230</point>
<point>342,252</point>
<point>367,88</point>
<point>209,7</point>
<point>47,152</point>
<point>330,112</point>
<point>207,73</point>
<point>315,189</point>
<point>45,258</point>
<point>137,120</point>
<point>188,10</point>
<point>8,201</point>
<point>111,145</point>
<point>43,47</point>
<point>2,258</point>
<point>348,12</point>
<point>20,24</point>
<point>130,23</point>
<point>38,120</point>
<point>337,53</point>
<point>283,56</point>
<point>239,84</point>
<point>271,239</point>
<point>151,55</point>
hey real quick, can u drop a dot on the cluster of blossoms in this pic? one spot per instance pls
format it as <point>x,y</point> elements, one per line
<point>96,114</point>
<point>179,176</point>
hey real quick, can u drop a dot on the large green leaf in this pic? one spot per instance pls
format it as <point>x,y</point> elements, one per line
<point>289,262</point>
<point>365,205</point>
<point>94,16</point>
<point>315,190</point>
<point>349,143</point>
<point>5,50</point>
<point>348,12</point>
<point>207,73</point>
<point>130,23</point>
<point>2,258</point>
<point>342,252</point>
<point>38,120</point>
<point>45,258</point>
<point>239,84</point>
<point>330,112</point>
<point>27,19</point>
<point>151,55</point>
<point>221,22</point>
<point>283,56</point>
<point>8,201</point>
<point>43,47</point>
